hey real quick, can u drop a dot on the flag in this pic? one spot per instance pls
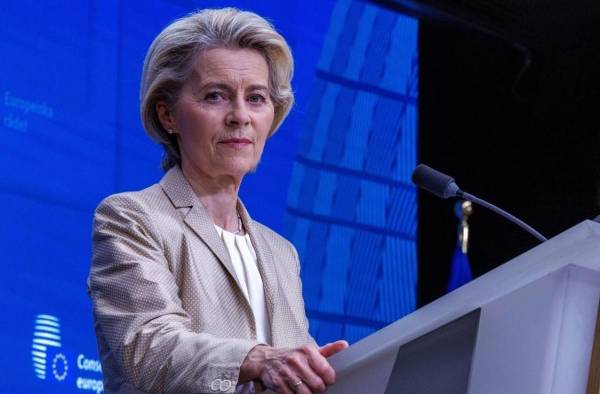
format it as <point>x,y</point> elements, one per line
<point>460,271</point>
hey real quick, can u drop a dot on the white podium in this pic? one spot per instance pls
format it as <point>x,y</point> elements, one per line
<point>526,327</point>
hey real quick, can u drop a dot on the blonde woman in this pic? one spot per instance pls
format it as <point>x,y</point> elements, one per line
<point>190,294</point>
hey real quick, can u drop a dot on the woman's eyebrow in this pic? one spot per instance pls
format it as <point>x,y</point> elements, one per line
<point>258,87</point>
<point>214,85</point>
<point>226,87</point>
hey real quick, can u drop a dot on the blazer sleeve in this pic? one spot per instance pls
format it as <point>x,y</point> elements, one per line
<point>139,313</point>
<point>300,299</point>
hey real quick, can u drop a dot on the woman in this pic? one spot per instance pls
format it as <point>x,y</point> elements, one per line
<point>190,295</point>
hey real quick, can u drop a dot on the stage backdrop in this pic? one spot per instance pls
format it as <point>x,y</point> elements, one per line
<point>334,180</point>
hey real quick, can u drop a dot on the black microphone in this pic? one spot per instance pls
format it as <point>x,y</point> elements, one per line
<point>435,182</point>
<point>444,186</point>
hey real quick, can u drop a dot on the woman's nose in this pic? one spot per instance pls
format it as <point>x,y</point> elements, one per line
<point>238,115</point>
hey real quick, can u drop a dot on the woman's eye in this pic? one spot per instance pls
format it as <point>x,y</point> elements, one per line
<point>213,96</point>
<point>257,98</point>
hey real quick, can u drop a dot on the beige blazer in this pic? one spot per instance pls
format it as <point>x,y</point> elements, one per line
<point>169,313</point>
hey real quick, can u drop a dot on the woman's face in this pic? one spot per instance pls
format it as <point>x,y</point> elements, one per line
<point>224,113</point>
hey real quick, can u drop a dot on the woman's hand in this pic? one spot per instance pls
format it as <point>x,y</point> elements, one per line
<point>302,370</point>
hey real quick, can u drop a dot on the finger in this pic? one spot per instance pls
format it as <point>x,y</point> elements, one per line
<point>284,388</point>
<point>320,365</point>
<point>332,348</point>
<point>276,376</point>
<point>289,378</point>
<point>298,362</point>
<point>300,387</point>
<point>281,383</point>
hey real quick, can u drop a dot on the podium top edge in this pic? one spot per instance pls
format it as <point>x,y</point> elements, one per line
<point>579,246</point>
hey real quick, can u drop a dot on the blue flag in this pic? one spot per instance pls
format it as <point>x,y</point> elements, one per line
<point>460,271</point>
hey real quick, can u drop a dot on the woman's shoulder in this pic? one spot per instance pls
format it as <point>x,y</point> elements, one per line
<point>147,197</point>
<point>147,210</point>
<point>142,205</point>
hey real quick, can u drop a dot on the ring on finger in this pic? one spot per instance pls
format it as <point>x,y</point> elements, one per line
<point>297,384</point>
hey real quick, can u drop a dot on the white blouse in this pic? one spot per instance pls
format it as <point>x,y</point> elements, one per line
<point>243,258</point>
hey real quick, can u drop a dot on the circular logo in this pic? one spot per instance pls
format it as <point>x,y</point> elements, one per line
<point>60,366</point>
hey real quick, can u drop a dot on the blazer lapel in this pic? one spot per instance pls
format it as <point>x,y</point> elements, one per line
<point>268,272</point>
<point>179,191</point>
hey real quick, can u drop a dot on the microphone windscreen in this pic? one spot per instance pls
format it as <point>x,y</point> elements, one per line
<point>434,181</point>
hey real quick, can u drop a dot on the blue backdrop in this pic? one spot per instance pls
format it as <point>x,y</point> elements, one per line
<point>334,179</point>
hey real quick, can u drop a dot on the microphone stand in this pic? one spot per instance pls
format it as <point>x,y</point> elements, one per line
<point>501,212</point>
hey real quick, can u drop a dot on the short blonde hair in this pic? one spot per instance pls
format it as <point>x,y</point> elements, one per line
<point>170,60</point>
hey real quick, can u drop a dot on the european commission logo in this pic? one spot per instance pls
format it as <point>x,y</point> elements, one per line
<point>58,364</point>
<point>46,337</point>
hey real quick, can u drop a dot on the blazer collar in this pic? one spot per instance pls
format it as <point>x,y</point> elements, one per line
<point>181,194</point>
<point>178,189</point>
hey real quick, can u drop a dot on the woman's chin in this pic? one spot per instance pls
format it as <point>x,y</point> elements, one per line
<point>238,170</point>
<point>231,167</point>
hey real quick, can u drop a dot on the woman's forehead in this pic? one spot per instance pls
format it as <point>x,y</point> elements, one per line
<point>231,66</point>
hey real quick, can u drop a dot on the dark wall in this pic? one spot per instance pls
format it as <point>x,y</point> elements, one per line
<point>514,118</point>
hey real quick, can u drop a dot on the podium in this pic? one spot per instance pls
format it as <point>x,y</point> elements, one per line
<point>527,327</point>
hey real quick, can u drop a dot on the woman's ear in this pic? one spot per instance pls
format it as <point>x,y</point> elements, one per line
<point>165,115</point>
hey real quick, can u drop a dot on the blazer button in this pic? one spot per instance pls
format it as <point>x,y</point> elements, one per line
<point>225,385</point>
<point>215,385</point>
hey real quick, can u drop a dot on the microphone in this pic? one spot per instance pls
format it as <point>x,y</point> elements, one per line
<point>435,182</point>
<point>445,187</point>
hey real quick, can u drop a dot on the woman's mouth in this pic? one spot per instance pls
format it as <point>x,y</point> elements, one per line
<point>236,143</point>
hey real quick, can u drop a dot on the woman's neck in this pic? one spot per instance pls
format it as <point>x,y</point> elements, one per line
<point>218,195</point>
